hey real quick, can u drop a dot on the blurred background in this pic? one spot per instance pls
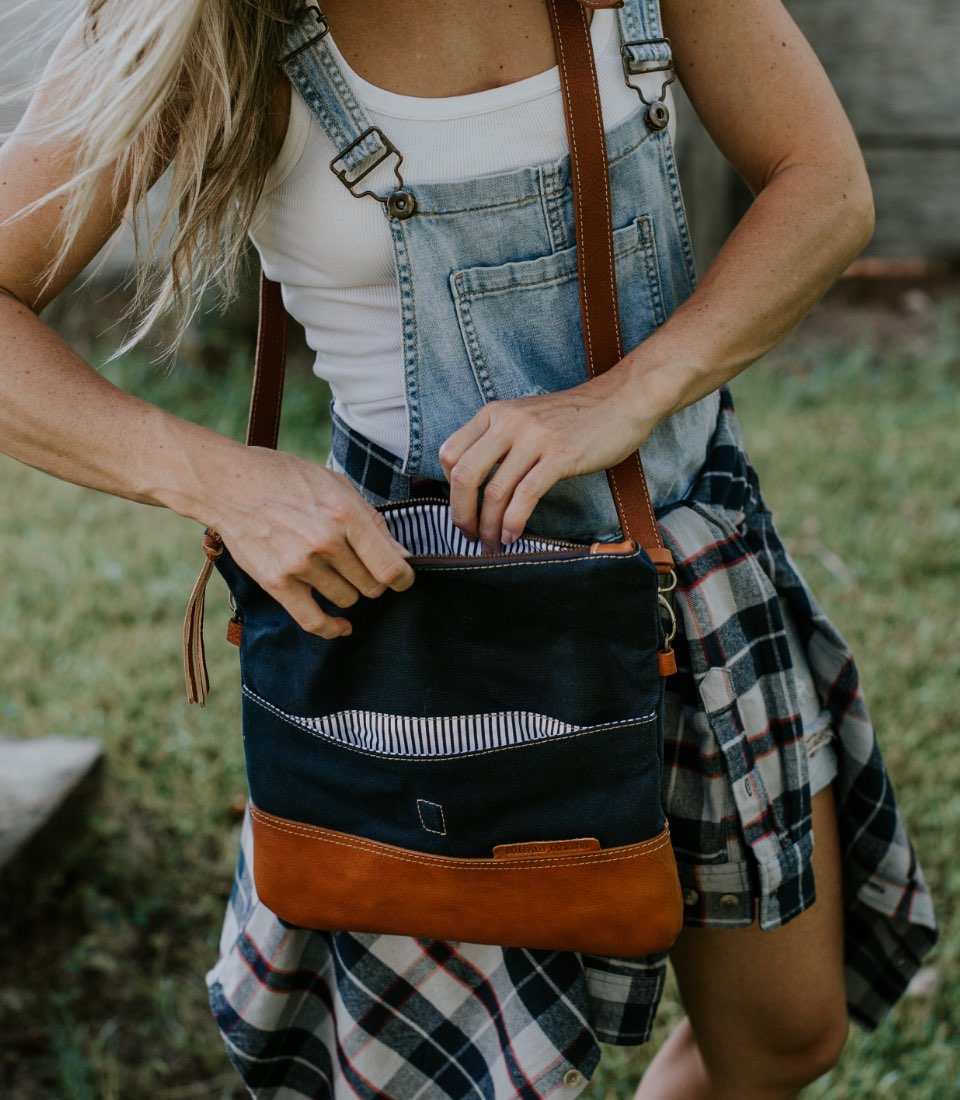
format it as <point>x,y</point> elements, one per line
<point>120,806</point>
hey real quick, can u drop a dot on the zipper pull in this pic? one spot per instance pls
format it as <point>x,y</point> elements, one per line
<point>666,658</point>
<point>194,657</point>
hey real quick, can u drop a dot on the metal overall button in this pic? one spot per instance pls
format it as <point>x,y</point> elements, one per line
<point>657,115</point>
<point>401,204</point>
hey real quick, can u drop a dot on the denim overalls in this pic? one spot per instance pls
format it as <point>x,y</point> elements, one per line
<point>487,274</point>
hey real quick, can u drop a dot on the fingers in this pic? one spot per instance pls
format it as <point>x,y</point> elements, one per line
<point>505,446</point>
<point>525,497</point>
<point>358,557</point>
<point>338,574</point>
<point>501,501</point>
<point>383,561</point>
<point>466,474</point>
<point>298,601</point>
<point>310,529</point>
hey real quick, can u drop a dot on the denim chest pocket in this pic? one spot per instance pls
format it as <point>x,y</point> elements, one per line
<point>520,321</point>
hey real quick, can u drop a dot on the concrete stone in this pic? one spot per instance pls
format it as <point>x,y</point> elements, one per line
<point>39,782</point>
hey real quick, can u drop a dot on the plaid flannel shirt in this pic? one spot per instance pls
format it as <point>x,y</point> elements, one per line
<point>308,1014</point>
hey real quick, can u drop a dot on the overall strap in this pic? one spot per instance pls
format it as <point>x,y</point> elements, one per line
<point>644,49</point>
<point>316,75</point>
<point>314,72</point>
<point>640,22</point>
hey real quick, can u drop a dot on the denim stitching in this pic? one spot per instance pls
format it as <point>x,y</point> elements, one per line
<point>462,299</point>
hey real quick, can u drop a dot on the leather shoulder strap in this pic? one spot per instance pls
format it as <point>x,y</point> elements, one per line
<point>599,310</point>
<point>269,369</point>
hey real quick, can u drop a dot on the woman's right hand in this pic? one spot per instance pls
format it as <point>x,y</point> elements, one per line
<point>295,526</point>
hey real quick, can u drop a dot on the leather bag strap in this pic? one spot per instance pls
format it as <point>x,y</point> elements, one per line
<point>590,177</point>
<point>266,397</point>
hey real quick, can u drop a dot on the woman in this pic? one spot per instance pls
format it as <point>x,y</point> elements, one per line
<point>757,767</point>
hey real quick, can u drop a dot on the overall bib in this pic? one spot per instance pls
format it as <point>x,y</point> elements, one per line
<point>487,272</point>
<point>489,299</point>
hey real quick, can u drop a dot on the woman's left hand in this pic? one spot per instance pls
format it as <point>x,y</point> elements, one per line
<point>527,445</point>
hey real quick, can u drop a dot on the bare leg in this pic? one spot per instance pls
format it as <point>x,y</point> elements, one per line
<point>766,1010</point>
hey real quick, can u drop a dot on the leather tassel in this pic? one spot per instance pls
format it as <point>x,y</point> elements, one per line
<point>194,657</point>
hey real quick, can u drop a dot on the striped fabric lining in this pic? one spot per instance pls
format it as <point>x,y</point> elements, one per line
<point>401,735</point>
<point>427,530</point>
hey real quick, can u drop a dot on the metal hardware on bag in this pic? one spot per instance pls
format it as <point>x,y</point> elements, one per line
<point>665,658</point>
<point>667,582</point>
<point>400,203</point>
<point>323,31</point>
<point>667,612</point>
<point>658,116</point>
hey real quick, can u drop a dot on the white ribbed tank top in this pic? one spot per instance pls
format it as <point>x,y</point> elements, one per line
<point>333,253</point>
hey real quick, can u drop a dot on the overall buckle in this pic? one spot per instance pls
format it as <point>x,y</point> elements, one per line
<point>323,29</point>
<point>657,114</point>
<point>400,203</point>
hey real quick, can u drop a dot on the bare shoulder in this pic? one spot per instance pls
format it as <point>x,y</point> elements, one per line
<point>756,84</point>
<point>33,167</point>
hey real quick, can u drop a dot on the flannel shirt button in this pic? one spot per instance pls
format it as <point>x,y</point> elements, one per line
<point>573,1078</point>
<point>729,901</point>
<point>690,897</point>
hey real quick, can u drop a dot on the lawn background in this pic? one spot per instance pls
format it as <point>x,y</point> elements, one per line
<point>102,954</point>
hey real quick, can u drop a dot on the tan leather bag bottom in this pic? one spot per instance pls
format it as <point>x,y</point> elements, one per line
<point>614,901</point>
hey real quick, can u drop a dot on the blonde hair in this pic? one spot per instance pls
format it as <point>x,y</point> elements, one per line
<point>185,83</point>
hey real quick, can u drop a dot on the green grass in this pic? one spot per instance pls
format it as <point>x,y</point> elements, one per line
<point>101,961</point>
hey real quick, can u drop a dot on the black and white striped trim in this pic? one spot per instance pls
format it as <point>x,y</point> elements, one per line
<point>401,735</point>
<point>427,530</point>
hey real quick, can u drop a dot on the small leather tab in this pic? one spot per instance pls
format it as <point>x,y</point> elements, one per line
<point>234,632</point>
<point>212,545</point>
<point>628,546</point>
<point>667,662</point>
<point>661,558</point>
<point>529,848</point>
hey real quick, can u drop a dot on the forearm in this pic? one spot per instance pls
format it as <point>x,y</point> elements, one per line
<point>795,240</point>
<point>59,415</point>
